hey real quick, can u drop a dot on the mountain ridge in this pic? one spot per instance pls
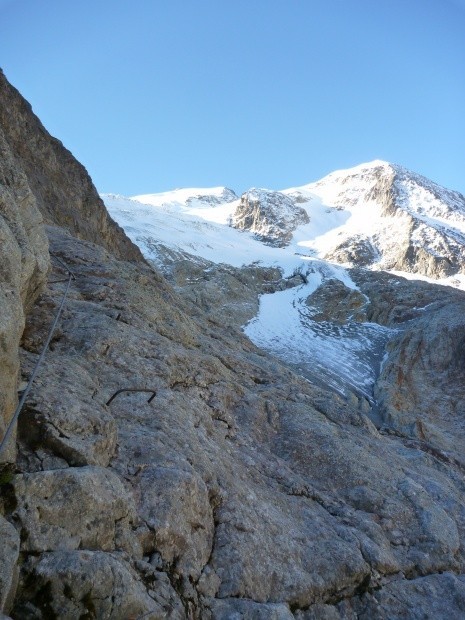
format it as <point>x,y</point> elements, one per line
<point>348,217</point>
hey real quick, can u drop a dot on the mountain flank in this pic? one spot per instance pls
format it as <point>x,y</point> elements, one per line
<point>244,489</point>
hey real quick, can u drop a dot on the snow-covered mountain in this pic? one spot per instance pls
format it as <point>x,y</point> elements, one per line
<point>376,216</point>
<point>388,218</point>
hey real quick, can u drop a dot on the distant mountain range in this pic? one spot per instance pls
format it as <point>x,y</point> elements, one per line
<point>377,215</point>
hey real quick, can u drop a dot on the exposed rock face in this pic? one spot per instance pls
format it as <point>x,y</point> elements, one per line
<point>248,490</point>
<point>8,563</point>
<point>271,216</point>
<point>336,302</point>
<point>225,293</point>
<point>357,250</point>
<point>23,268</point>
<point>63,190</point>
<point>92,584</point>
<point>227,195</point>
<point>241,490</point>
<point>420,390</point>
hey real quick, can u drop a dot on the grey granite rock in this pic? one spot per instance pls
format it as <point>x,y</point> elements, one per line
<point>441,597</point>
<point>24,264</point>
<point>72,508</point>
<point>243,609</point>
<point>175,506</point>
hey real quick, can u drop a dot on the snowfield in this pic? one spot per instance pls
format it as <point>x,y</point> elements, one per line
<point>348,210</point>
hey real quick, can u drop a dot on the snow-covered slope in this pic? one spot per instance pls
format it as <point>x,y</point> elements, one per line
<point>191,227</point>
<point>383,216</point>
<point>376,215</point>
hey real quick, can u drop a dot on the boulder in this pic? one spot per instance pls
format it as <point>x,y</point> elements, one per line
<point>90,584</point>
<point>73,508</point>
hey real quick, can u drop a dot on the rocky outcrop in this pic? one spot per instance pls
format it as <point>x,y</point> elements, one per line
<point>225,196</point>
<point>226,294</point>
<point>337,303</point>
<point>23,269</point>
<point>420,391</point>
<point>271,216</point>
<point>63,191</point>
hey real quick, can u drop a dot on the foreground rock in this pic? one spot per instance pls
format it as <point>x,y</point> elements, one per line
<point>24,263</point>
<point>244,481</point>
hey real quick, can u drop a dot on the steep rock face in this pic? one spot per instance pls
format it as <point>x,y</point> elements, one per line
<point>64,192</point>
<point>23,268</point>
<point>420,391</point>
<point>271,216</point>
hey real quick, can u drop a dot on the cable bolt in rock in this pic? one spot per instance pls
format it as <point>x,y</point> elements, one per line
<point>153,392</point>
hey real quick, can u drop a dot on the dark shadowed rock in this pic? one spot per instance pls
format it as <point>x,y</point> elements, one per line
<point>8,564</point>
<point>91,584</point>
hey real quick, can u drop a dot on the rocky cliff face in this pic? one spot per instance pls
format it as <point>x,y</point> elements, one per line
<point>241,490</point>
<point>23,269</point>
<point>63,191</point>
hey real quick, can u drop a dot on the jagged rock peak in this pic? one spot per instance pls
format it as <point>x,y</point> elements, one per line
<point>271,216</point>
<point>400,180</point>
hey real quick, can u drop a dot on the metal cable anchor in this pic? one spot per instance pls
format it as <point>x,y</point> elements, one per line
<point>153,392</point>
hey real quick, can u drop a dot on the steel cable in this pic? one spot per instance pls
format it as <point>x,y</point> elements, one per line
<point>18,409</point>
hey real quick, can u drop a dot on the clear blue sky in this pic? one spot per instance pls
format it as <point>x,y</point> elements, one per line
<point>151,95</point>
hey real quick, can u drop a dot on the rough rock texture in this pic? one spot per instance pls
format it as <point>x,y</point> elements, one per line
<point>357,250</point>
<point>420,390</point>
<point>249,487</point>
<point>241,490</point>
<point>336,302</point>
<point>92,584</point>
<point>271,216</point>
<point>91,501</point>
<point>8,563</point>
<point>63,190</point>
<point>24,264</point>
<point>225,293</point>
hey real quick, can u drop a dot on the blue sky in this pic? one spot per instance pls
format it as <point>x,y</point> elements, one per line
<point>152,95</point>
